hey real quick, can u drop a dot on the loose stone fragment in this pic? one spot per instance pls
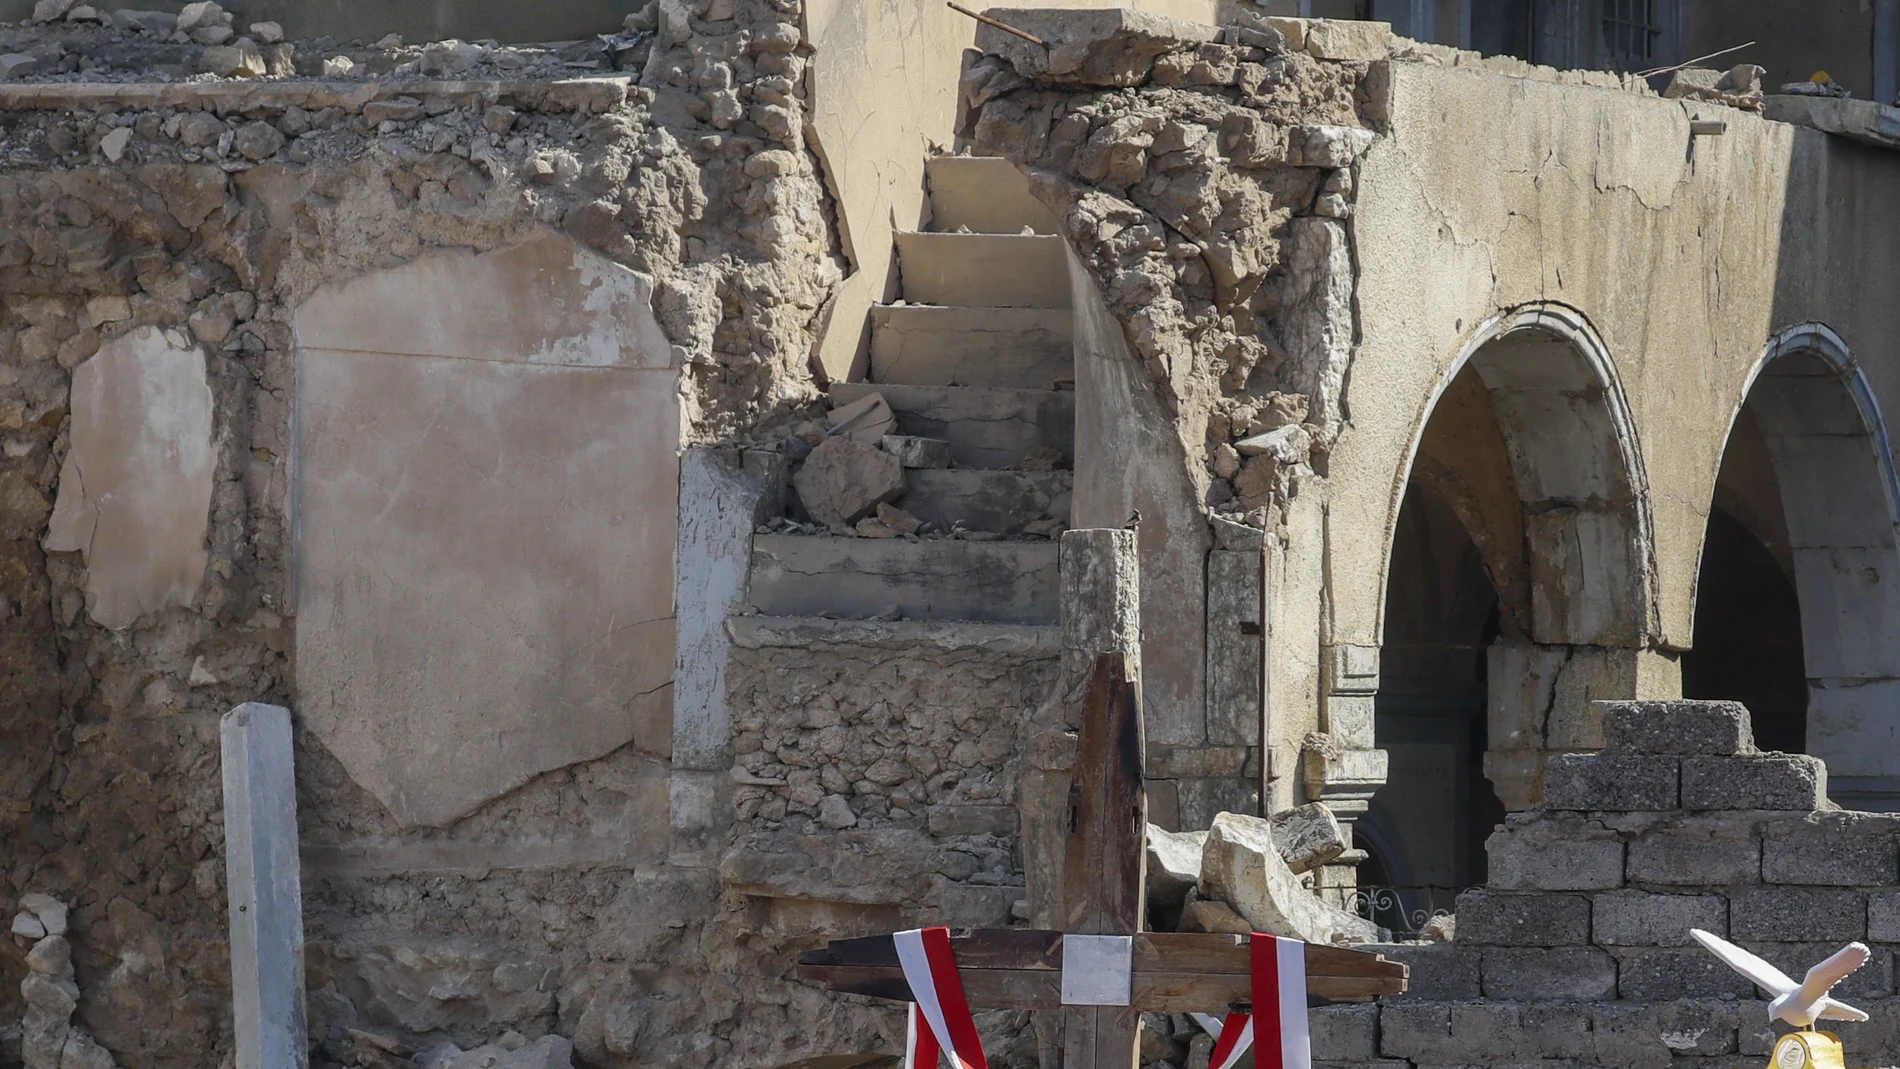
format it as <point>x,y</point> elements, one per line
<point>241,60</point>
<point>114,143</point>
<point>1308,836</point>
<point>866,419</point>
<point>267,32</point>
<point>914,452</point>
<point>27,926</point>
<point>257,141</point>
<point>338,67</point>
<point>1174,863</point>
<point>844,480</point>
<point>897,519</point>
<point>203,13</point>
<point>18,65</point>
<point>1241,866</point>
<point>50,911</point>
<point>49,10</point>
<point>1201,915</point>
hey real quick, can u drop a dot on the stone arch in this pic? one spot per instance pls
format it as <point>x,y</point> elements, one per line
<point>1528,440</point>
<point>1831,463</point>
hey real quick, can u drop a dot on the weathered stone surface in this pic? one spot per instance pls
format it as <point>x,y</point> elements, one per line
<point>548,1052</point>
<point>1438,970</point>
<point>487,519</point>
<point>135,489</point>
<point>18,65</point>
<point>1610,782</point>
<point>1241,866</point>
<point>1174,863</point>
<point>1656,974</point>
<point>240,60</point>
<point>1555,855</point>
<point>914,452</point>
<point>1344,1033</point>
<point>867,419</point>
<point>1791,914</point>
<point>1307,836</point>
<point>1676,727</point>
<point>1202,915</point>
<point>1639,918</point>
<point>1543,973</point>
<point>1758,781</point>
<point>1526,920</point>
<point>1328,146</point>
<point>1348,39</point>
<point>1835,849</point>
<point>50,911</point>
<point>1883,916</point>
<point>1696,852</point>
<point>1107,47</point>
<point>845,480</point>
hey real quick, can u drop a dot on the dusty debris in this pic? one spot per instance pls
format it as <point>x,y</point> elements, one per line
<point>844,480</point>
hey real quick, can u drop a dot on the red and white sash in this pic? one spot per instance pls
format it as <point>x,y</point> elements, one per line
<point>1278,1019</point>
<point>939,1021</point>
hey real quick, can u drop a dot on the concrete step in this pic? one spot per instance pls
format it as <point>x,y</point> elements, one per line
<point>985,193</point>
<point>817,632</point>
<point>932,579</point>
<point>931,345</point>
<point>987,426</point>
<point>1000,501</point>
<point>1001,270</point>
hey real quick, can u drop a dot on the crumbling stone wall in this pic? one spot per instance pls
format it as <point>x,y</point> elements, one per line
<point>207,210</point>
<point>1578,949</point>
<point>1205,177</point>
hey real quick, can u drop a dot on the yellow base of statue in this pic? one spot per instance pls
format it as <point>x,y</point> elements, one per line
<point>1807,1050</point>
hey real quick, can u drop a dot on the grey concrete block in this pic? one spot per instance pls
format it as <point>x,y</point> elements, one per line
<point>1488,1031</point>
<point>1557,1030</point>
<point>1676,727</point>
<point>1610,782</point>
<point>1701,1028</point>
<point>1883,917</point>
<point>1639,918</point>
<point>1797,913</point>
<point>1344,1033</point>
<point>1625,1034</point>
<point>1523,920</point>
<point>1658,974</point>
<point>1836,849</point>
<point>1555,854</point>
<point>1697,852</point>
<point>1440,971</point>
<point>1757,781</point>
<point>1574,974</point>
<point>1415,1030</point>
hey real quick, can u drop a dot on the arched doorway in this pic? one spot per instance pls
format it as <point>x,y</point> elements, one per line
<point>1798,594</point>
<point>1516,592</point>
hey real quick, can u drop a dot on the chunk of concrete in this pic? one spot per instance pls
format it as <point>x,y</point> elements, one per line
<point>844,480</point>
<point>1241,866</point>
<point>1174,863</point>
<point>1307,836</point>
<point>1348,39</point>
<point>135,489</point>
<point>867,419</point>
<point>914,452</point>
<point>1100,46</point>
<point>488,476</point>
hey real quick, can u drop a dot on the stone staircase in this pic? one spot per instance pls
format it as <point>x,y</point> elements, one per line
<point>977,353</point>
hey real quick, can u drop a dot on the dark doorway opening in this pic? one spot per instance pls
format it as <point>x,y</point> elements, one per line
<point>1748,635</point>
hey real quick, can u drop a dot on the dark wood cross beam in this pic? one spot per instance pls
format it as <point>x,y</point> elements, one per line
<point>1103,876</point>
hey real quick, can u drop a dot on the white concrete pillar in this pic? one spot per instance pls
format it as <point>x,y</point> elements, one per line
<point>265,887</point>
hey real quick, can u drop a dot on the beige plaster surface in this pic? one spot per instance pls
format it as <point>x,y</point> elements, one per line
<point>135,488</point>
<point>1683,256</point>
<point>485,542</point>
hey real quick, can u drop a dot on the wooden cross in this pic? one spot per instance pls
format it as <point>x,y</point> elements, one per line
<point>1104,873</point>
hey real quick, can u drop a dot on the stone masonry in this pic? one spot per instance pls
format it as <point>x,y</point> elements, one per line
<point>1578,951</point>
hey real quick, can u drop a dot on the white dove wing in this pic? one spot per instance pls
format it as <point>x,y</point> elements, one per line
<point>1821,978</point>
<point>1764,975</point>
<point>1836,1010</point>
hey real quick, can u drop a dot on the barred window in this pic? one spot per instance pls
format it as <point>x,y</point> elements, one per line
<point>1631,32</point>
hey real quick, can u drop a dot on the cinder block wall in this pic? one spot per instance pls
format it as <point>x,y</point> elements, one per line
<point>1578,952</point>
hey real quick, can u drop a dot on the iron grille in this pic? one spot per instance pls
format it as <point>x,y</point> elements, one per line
<point>1631,31</point>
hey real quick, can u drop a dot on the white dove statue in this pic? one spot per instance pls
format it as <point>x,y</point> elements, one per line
<point>1798,1004</point>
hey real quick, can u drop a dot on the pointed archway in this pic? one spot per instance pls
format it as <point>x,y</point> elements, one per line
<point>1798,594</point>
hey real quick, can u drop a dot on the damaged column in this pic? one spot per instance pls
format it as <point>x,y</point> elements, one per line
<point>264,883</point>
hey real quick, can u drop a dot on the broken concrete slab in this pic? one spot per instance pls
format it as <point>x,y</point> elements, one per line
<point>1102,46</point>
<point>135,489</point>
<point>867,419</point>
<point>914,452</point>
<point>1307,836</point>
<point>1241,866</point>
<point>930,345</point>
<point>1349,39</point>
<point>1866,121</point>
<point>446,407</point>
<point>987,427</point>
<point>1174,864</point>
<point>844,480</point>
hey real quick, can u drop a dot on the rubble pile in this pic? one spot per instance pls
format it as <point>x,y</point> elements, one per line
<point>48,1037</point>
<point>1243,875</point>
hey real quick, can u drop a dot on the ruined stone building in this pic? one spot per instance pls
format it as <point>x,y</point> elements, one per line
<point>637,463</point>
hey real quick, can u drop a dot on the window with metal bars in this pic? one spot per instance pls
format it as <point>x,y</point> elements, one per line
<point>1631,31</point>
